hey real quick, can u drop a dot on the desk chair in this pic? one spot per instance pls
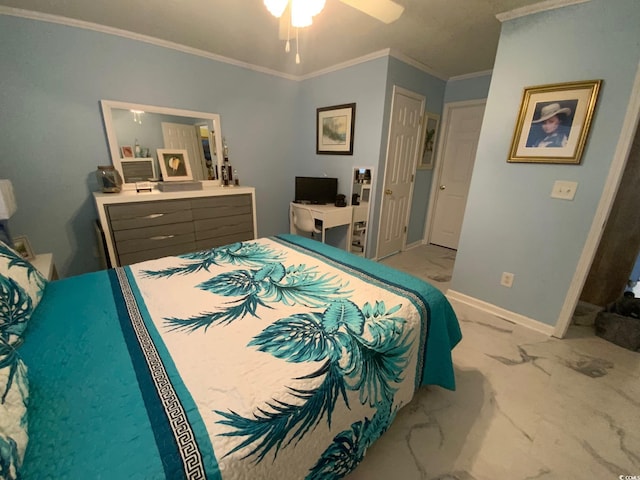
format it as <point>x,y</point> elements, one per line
<point>303,220</point>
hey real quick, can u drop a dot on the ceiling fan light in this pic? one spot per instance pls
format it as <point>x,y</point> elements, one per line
<point>314,7</point>
<point>302,11</point>
<point>276,7</point>
<point>299,16</point>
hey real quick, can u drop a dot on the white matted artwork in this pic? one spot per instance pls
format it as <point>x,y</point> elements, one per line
<point>174,165</point>
<point>429,137</point>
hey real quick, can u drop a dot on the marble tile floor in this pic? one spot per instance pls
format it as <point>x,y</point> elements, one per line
<point>527,406</point>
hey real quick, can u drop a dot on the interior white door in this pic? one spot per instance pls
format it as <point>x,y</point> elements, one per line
<point>185,137</point>
<point>402,151</point>
<point>459,144</point>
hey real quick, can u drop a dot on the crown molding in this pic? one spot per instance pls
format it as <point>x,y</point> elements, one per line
<point>414,63</point>
<point>537,8</point>
<point>70,22</point>
<point>468,76</point>
<point>348,63</point>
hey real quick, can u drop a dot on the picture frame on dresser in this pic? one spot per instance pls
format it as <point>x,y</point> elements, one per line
<point>136,170</point>
<point>23,247</point>
<point>174,165</point>
<point>126,151</point>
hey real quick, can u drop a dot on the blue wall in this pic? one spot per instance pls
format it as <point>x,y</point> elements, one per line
<point>336,88</point>
<point>52,134</point>
<point>511,223</point>
<point>467,88</point>
<point>54,77</point>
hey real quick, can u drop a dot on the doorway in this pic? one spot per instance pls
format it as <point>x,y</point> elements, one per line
<point>402,153</point>
<point>462,122</point>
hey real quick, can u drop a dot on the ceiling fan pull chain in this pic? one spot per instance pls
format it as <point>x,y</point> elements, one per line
<point>287,46</point>
<point>297,45</point>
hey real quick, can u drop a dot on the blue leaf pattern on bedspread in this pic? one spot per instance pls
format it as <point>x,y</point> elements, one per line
<point>272,283</point>
<point>249,254</point>
<point>359,348</point>
<point>365,351</point>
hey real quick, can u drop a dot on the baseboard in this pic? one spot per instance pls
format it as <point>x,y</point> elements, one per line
<point>415,244</point>
<point>501,312</point>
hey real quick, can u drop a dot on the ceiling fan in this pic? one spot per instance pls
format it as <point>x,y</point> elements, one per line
<point>295,14</point>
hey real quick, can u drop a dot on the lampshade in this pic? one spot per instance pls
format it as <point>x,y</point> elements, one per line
<point>7,200</point>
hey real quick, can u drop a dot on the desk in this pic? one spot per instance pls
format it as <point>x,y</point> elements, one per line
<point>330,216</point>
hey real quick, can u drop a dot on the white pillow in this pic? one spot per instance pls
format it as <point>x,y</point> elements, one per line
<point>14,396</point>
<point>21,288</point>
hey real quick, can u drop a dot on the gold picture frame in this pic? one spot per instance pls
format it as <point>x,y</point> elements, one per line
<point>553,123</point>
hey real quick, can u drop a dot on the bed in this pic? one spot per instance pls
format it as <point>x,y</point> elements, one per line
<point>280,357</point>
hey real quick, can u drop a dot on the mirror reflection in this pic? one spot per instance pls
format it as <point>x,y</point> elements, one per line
<point>360,197</point>
<point>138,131</point>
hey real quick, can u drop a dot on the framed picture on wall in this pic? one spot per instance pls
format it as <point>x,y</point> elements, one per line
<point>429,136</point>
<point>174,165</point>
<point>553,122</point>
<point>334,129</point>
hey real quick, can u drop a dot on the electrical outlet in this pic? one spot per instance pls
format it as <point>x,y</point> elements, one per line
<point>564,190</point>
<point>507,279</point>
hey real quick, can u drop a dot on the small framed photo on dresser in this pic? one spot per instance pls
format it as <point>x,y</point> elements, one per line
<point>23,247</point>
<point>126,151</point>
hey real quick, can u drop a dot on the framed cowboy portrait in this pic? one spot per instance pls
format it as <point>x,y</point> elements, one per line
<point>553,122</point>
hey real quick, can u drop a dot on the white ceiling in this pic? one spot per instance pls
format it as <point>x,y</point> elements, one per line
<point>446,37</point>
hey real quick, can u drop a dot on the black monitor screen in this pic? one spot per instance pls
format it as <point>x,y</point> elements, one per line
<point>316,189</point>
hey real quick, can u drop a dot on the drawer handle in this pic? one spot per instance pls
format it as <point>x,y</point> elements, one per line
<point>154,215</point>
<point>161,237</point>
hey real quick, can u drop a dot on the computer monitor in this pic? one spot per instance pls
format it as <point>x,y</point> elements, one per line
<point>317,190</point>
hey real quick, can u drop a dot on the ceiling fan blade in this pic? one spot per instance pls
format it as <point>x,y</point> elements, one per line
<point>386,11</point>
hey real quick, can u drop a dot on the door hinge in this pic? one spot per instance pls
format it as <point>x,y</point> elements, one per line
<point>412,177</point>
<point>405,229</point>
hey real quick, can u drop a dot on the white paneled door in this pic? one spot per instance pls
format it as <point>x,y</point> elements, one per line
<point>462,124</point>
<point>402,151</point>
<point>185,137</point>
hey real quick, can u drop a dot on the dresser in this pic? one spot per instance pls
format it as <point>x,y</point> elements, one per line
<point>147,225</point>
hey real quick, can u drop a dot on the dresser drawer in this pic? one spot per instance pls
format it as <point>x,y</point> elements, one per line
<point>208,243</point>
<point>166,224</point>
<point>223,206</point>
<point>135,215</point>
<point>151,254</point>
<point>137,239</point>
<point>219,227</point>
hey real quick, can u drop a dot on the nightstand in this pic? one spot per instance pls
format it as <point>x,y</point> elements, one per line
<point>44,263</point>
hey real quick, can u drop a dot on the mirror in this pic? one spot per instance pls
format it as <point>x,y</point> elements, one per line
<point>360,200</point>
<point>138,131</point>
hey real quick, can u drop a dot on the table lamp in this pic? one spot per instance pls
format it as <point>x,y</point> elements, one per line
<point>7,209</point>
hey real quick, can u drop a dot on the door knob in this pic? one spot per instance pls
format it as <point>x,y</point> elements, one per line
<point>442,187</point>
<point>388,192</point>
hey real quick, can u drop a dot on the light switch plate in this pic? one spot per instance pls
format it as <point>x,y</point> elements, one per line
<point>564,189</point>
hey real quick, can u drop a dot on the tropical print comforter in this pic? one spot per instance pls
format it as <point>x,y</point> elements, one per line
<point>275,358</point>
